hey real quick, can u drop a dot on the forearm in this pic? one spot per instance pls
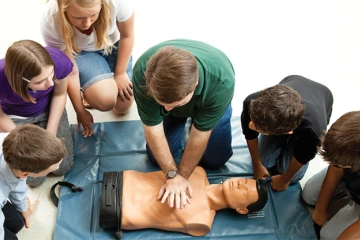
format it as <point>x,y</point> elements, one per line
<point>293,168</point>
<point>6,124</point>
<point>351,232</point>
<point>195,148</point>
<point>159,146</point>
<point>57,106</point>
<point>328,188</point>
<point>126,45</point>
<point>253,147</point>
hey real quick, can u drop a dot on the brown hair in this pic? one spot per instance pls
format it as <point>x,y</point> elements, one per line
<point>341,144</point>
<point>277,110</point>
<point>25,59</point>
<point>171,74</point>
<point>100,26</point>
<point>30,148</point>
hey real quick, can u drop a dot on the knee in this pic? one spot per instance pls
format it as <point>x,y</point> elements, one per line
<point>123,107</point>
<point>308,196</point>
<point>106,103</point>
<point>35,182</point>
<point>211,161</point>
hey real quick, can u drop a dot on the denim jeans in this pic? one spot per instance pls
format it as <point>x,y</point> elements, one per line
<point>277,152</point>
<point>218,150</point>
<point>95,66</point>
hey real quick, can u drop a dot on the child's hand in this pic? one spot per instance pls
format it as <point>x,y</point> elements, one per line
<point>26,215</point>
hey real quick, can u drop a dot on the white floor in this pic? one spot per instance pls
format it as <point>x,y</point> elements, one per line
<point>265,40</point>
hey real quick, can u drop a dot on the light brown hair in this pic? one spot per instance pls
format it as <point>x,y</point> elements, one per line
<point>277,110</point>
<point>341,143</point>
<point>25,59</point>
<point>171,74</point>
<point>100,26</point>
<point>30,148</point>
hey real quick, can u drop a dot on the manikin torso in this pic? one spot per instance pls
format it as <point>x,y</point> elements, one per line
<point>141,208</point>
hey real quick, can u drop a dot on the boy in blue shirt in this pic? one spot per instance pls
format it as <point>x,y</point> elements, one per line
<point>27,150</point>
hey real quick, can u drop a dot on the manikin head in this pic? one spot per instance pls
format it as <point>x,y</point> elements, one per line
<point>277,110</point>
<point>32,151</point>
<point>171,77</point>
<point>245,195</point>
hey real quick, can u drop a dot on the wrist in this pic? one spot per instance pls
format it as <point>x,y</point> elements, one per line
<point>171,174</point>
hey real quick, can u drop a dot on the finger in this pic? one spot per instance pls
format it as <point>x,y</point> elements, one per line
<point>131,85</point>
<point>27,223</point>
<point>166,194</point>
<point>78,128</point>
<point>184,198</point>
<point>130,91</point>
<point>34,205</point>
<point>190,190</point>
<point>177,200</point>
<point>121,96</point>
<point>126,94</point>
<point>161,192</point>
<point>172,198</point>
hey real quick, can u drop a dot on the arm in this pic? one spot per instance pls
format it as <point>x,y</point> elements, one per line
<point>351,232</point>
<point>177,188</point>
<point>194,150</point>
<point>281,182</point>
<point>6,124</point>
<point>331,182</point>
<point>125,48</point>
<point>260,171</point>
<point>84,117</point>
<point>57,105</point>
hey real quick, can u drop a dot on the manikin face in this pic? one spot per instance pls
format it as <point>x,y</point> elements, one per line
<point>170,106</point>
<point>240,193</point>
<point>83,18</point>
<point>44,80</point>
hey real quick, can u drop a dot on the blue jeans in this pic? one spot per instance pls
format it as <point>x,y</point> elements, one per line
<point>95,66</point>
<point>218,150</point>
<point>277,152</point>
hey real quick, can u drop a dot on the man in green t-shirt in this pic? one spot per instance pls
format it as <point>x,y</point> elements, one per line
<point>175,80</point>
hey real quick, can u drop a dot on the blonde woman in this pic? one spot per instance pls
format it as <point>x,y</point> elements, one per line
<point>33,83</point>
<point>98,36</point>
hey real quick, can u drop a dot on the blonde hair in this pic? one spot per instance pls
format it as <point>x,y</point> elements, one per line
<point>100,26</point>
<point>25,59</point>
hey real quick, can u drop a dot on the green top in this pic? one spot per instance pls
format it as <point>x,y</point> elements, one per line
<point>212,95</point>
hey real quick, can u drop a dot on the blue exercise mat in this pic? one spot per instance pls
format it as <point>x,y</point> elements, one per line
<point>117,146</point>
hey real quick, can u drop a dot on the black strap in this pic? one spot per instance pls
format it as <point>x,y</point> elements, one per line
<point>53,196</point>
<point>119,232</point>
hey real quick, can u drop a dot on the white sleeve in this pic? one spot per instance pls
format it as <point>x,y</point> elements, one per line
<point>123,9</point>
<point>50,26</point>
<point>18,196</point>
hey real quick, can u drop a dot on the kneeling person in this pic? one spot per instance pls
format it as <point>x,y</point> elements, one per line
<point>28,150</point>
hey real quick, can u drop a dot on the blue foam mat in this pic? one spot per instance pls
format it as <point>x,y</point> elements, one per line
<point>117,146</point>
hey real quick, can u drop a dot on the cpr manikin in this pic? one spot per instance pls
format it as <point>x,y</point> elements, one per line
<point>142,209</point>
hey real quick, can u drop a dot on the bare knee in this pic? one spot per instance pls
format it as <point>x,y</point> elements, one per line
<point>123,107</point>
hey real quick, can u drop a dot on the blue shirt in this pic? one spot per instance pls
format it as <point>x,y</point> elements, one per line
<point>11,188</point>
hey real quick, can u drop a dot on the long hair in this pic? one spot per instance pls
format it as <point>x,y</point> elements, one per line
<point>25,59</point>
<point>100,26</point>
<point>341,144</point>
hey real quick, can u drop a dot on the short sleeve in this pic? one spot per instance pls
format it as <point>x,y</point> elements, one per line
<point>245,118</point>
<point>124,9</point>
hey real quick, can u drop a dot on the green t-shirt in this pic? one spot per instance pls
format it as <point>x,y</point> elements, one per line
<point>212,95</point>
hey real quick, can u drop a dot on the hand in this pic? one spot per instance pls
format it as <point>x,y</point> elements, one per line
<point>26,215</point>
<point>124,86</point>
<point>278,183</point>
<point>260,172</point>
<point>177,190</point>
<point>319,217</point>
<point>85,119</point>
